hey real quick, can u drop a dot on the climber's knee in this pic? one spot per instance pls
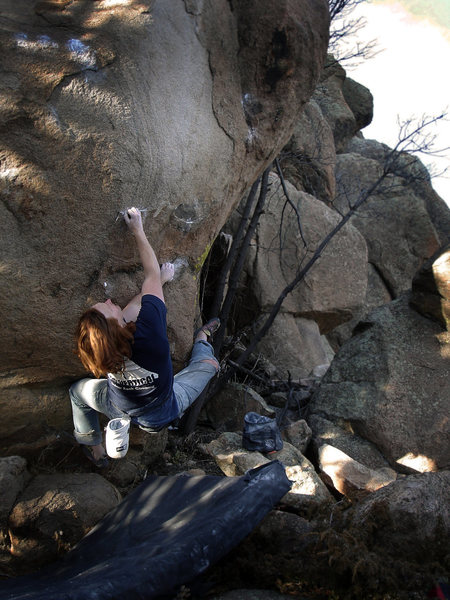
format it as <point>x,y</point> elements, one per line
<point>211,361</point>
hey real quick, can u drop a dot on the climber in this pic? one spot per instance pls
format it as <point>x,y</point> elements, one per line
<point>128,353</point>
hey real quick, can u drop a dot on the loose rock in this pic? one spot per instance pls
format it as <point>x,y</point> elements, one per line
<point>349,477</point>
<point>13,478</point>
<point>298,434</point>
<point>228,408</point>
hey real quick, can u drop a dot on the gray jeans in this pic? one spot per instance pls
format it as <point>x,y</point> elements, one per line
<point>90,396</point>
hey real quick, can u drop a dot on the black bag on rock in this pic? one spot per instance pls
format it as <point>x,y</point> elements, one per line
<point>261,434</point>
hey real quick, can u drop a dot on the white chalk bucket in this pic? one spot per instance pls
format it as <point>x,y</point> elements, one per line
<point>118,437</point>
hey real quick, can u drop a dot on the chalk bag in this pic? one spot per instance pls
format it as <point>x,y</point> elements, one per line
<point>117,437</point>
<point>261,434</point>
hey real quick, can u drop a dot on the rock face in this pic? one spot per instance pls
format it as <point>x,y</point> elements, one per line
<point>177,107</point>
<point>112,105</point>
<point>390,385</point>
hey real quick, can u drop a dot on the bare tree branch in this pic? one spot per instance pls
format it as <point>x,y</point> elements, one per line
<point>239,264</point>
<point>235,246</point>
<point>283,183</point>
<point>342,7</point>
<point>342,31</point>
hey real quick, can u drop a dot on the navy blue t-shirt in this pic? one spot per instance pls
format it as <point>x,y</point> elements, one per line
<point>144,390</point>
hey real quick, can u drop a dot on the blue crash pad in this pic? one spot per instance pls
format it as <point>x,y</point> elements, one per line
<point>164,534</point>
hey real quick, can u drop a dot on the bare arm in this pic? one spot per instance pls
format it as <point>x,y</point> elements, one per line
<point>152,278</point>
<point>131,310</point>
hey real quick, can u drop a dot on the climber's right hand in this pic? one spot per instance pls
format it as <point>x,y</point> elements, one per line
<point>133,219</point>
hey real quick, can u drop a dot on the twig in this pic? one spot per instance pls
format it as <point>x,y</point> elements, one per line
<point>250,373</point>
<point>283,184</point>
<point>218,297</point>
<point>239,264</point>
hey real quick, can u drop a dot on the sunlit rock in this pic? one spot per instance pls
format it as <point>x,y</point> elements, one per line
<point>431,288</point>
<point>348,476</point>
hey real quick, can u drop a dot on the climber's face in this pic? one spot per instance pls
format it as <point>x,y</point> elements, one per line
<point>110,311</point>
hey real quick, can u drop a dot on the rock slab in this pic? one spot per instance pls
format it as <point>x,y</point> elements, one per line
<point>390,385</point>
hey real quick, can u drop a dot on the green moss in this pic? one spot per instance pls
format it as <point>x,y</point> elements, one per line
<point>201,260</point>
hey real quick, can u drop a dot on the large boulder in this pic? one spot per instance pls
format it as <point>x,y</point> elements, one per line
<point>330,293</point>
<point>107,105</point>
<point>335,285</point>
<point>345,104</point>
<point>308,159</point>
<point>408,518</point>
<point>394,220</point>
<point>431,288</point>
<point>55,512</point>
<point>390,384</point>
<point>417,177</point>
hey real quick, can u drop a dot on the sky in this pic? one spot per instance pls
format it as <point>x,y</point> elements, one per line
<point>409,76</point>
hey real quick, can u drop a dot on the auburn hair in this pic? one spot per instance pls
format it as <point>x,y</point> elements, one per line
<point>102,344</point>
